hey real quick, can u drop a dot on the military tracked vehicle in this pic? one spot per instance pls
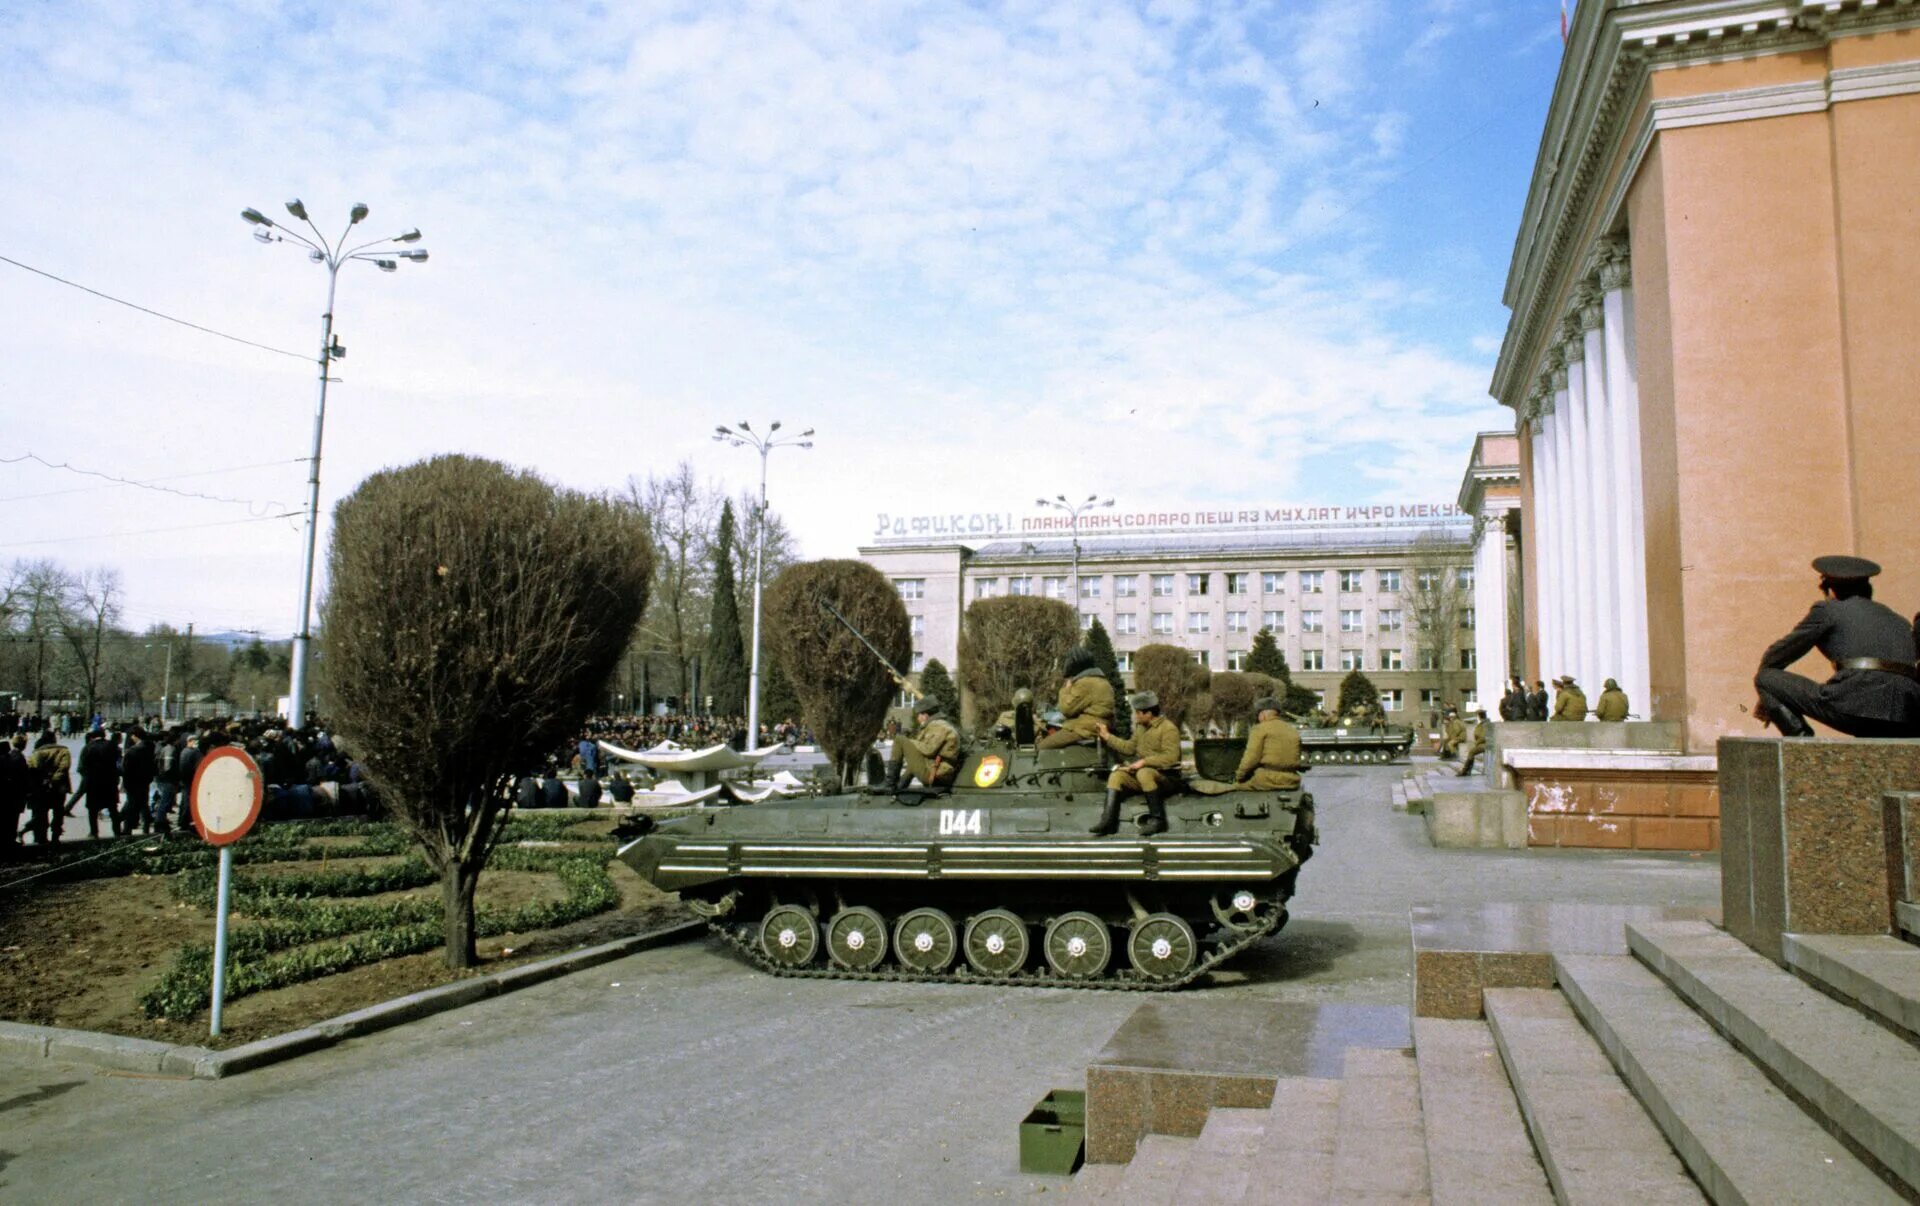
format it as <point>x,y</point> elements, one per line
<point>996,880</point>
<point>1355,743</point>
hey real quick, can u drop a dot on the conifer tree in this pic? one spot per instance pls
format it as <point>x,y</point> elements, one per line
<point>1265,658</point>
<point>726,667</point>
<point>936,683</point>
<point>1101,645</point>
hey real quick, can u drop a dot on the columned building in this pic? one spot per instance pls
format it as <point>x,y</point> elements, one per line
<point>1711,359</point>
<point>1490,494</point>
<point>1389,590</point>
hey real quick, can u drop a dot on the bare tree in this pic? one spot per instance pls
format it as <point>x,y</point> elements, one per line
<point>474,614</point>
<point>681,512</point>
<point>92,603</point>
<point>1233,693</point>
<point>1011,642</point>
<point>1438,606</point>
<point>843,688</point>
<point>34,610</point>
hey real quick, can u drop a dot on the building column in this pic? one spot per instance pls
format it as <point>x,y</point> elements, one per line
<point>1563,583</point>
<point>1605,496</point>
<point>1540,527</point>
<point>1580,575</point>
<point>1490,638</point>
<point>1629,510</point>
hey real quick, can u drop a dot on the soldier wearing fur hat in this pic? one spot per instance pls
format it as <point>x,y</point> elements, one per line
<point>1571,702</point>
<point>1874,690</point>
<point>1272,758</point>
<point>1154,769</point>
<point>1612,704</point>
<point>1085,703</point>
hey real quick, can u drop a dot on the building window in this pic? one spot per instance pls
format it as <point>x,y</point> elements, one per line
<point>1237,583</point>
<point>919,661</point>
<point>917,625</point>
<point>1429,699</point>
<point>1236,659</point>
<point>1022,585</point>
<point>1353,659</point>
<point>1123,661</point>
<point>986,588</point>
<point>1054,586</point>
<point>1470,702</point>
<point>1273,581</point>
<point>1349,582</point>
<point>1090,587</point>
<point>1350,619</point>
<point>1198,584</point>
<point>1312,582</point>
<point>1313,659</point>
<point>1390,582</point>
<point>1390,700</point>
<point>1390,619</point>
<point>1126,624</point>
<point>1163,585</point>
<point>1086,621</point>
<point>1274,621</point>
<point>1236,621</point>
<point>1469,659</point>
<point>1202,656</point>
<point>911,588</point>
<point>1390,659</point>
<point>1310,621</point>
<point>1199,621</point>
<point>1429,579</point>
<point>1163,622</point>
<point>1466,617</point>
<point>1126,586</point>
<point>1427,660</point>
<point>1466,577</point>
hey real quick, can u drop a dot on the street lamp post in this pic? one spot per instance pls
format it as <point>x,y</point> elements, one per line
<point>742,435</point>
<point>333,255</point>
<point>1074,510</point>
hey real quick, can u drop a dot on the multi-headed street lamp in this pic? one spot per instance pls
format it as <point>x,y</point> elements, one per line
<point>742,435</point>
<point>1074,511</point>
<point>333,255</point>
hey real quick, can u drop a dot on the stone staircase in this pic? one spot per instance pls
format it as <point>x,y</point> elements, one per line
<point>1689,1069</point>
<point>1463,811</point>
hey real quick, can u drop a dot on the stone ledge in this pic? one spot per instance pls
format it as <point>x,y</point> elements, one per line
<point>1610,760</point>
<point>146,1055</point>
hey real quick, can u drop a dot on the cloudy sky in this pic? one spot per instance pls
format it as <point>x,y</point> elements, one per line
<point>1187,254</point>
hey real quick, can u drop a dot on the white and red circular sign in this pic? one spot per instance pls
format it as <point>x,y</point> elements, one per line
<point>226,795</point>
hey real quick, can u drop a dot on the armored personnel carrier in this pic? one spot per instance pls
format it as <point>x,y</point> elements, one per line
<point>1355,743</point>
<point>996,880</point>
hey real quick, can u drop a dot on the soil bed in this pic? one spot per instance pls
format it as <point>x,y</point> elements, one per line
<point>80,954</point>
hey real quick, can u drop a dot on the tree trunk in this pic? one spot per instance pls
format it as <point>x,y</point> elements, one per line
<point>457,884</point>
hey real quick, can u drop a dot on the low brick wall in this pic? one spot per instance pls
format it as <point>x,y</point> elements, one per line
<point>1644,810</point>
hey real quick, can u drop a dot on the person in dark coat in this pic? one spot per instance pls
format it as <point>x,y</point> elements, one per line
<point>100,782</point>
<point>15,788</point>
<point>620,788</point>
<point>589,791</point>
<point>1537,701</point>
<point>526,792</point>
<point>137,769</point>
<point>1874,690</point>
<point>553,793</point>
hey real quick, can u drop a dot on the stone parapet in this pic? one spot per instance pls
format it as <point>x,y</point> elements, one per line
<point>1805,837</point>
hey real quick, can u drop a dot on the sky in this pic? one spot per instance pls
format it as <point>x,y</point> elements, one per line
<point>1187,255</point>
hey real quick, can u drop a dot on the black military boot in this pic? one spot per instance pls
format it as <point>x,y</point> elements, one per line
<point>893,775</point>
<point>1789,722</point>
<point>1156,819</point>
<point>1109,817</point>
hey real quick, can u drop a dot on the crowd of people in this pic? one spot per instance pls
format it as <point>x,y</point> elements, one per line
<point>135,777</point>
<point>691,731</point>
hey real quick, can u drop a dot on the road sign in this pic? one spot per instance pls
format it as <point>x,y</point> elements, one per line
<point>226,795</point>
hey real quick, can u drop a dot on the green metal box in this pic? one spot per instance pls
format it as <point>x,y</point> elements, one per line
<point>1055,1133</point>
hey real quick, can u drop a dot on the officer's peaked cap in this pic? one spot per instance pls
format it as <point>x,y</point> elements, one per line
<point>1845,569</point>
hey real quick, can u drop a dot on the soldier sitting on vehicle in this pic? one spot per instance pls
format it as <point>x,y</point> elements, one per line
<point>1085,703</point>
<point>1154,770</point>
<point>1272,758</point>
<point>931,755</point>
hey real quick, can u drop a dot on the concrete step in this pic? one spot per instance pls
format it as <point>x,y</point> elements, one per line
<point>1295,1164</point>
<point>1098,1182</point>
<point>1849,1069</point>
<point>1380,1149</point>
<point>1596,1143</point>
<point>1155,1170</point>
<point>1742,1139</point>
<point>1221,1165</point>
<point>1878,973</point>
<point>1906,915</point>
<point>1477,1146</point>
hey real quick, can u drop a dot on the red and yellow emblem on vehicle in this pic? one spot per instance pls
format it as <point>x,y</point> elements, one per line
<point>989,771</point>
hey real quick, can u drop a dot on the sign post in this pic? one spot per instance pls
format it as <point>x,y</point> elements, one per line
<point>225,798</point>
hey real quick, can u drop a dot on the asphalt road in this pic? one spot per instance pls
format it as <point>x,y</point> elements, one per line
<point>679,1075</point>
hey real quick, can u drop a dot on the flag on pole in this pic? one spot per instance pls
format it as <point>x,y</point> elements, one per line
<point>1563,22</point>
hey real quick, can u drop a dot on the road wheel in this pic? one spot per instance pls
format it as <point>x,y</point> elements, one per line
<point>1162,947</point>
<point>789,935</point>
<point>996,943</point>
<point>857,938</point>
<point>926,941</point>
<point>1077,946</point>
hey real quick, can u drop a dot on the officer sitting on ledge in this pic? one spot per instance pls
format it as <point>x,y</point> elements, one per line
<point>1874,691</point>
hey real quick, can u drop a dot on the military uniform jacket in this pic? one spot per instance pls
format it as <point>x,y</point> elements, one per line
<point>1850,628</point>
<point>1156,744</point>
<point>938,740</point>
<point>54,765</point>
<point>1271,745</point>
<point>1612,706</point>
<point>1571,705</point>
<point>1087,702</point>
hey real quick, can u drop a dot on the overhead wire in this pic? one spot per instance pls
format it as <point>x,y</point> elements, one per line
<point>116,480</point>
<point>121,301</point>
<point>185,527</point>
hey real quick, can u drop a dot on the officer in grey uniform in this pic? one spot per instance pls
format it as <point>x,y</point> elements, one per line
<point>1875,689</point>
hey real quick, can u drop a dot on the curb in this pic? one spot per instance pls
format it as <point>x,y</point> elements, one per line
<point>124,1054</point>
